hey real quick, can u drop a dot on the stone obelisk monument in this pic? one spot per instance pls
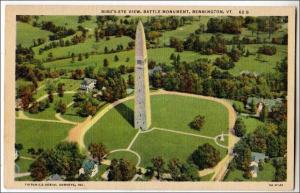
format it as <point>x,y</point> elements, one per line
<point>142,108</point>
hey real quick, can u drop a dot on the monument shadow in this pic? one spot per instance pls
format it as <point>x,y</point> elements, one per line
<point>126,112</point>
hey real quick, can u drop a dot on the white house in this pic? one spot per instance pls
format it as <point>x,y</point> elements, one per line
<point>256,158</point>
<point>88,84</point>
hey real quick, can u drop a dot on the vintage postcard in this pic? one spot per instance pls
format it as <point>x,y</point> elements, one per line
<point>149,97</point>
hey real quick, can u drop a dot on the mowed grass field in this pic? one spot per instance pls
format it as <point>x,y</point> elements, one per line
<point>168,145</point>
<point>115,128</point>
<point>36,134</point>
<point>26,33</point>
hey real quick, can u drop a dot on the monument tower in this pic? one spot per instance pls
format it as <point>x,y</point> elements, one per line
<point>142,108</point>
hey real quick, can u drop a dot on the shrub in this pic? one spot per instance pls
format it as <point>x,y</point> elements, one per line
<point>198,122</point>
<point>267,50</point>
<point>224,62</point>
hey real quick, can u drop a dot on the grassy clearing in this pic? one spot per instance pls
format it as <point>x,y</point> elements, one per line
<point>168,145</point>
<point>23,165</point>
<point>265,65</point>
<point>35,134</point>
<point>251,123</point>
<point>26,33</point>
<point>71,114</point>
<point>267,174</point>
<point>101,169</point>
<point>24,178</point>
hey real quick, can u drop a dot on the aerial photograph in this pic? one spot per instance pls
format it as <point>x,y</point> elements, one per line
<point>151,98</point>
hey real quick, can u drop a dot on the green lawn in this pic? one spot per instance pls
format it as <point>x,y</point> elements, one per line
<point>160,55</point>
<point>126,155</point>
<point>115,128</point>
<point>168,145</point>
<point>266,175</point>
<point>26,33</point>
<point>23,165</point>
<point>68,21</point>
<point>267,64</point>
<point>251,123</point>
<point>36,134</point>
<point>184,109</point>
<point>50,112</point>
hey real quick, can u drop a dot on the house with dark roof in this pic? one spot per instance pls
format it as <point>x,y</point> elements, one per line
<point>88,84</point>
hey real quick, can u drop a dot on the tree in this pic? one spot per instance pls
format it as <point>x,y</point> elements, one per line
<point>272,146</point>
<point>116,58</point>
<point>198,122</point>
<point>61,107</point>
<point>38,170</point>
<point>78,74</point>
<point>239,128</point>
<point>64,159</point>
<point>98,151</point>
<point>121,170</point>
<point>87,109</point>
<point>61,89</point>
<point>50,96</point>
<point>242,155</point>
<point>80,57</point>
<point>206,156</point>
<point>18,146</point>
<point>105,63</point>
<point>261,165</point>
<point>158,165</point>
<point>182,172</point>
<point>130,80</point>
<point>263,116</point>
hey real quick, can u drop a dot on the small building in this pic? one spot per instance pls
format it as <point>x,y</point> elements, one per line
<point>88,84</point>
<point>56,177</point>
<point>90,167</point>
<point>260,102</point>
<point>255,159</point>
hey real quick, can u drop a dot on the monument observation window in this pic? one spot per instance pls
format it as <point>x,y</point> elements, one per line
<point>140,62</point>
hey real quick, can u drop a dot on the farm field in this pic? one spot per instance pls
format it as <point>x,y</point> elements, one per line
<point>26,33</point>
<point>35,134</point>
